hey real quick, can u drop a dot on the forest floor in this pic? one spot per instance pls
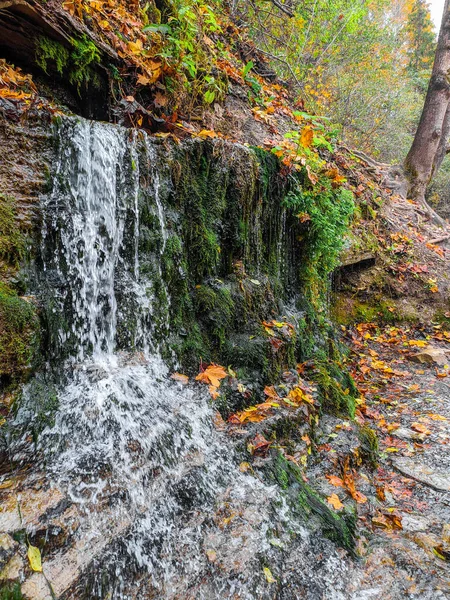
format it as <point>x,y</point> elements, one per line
<point>403,504</point>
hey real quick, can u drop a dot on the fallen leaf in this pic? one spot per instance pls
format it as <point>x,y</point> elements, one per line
<point>336,481</point>
<point>306,137</point>
<point>212,375</point>
<point>211,554</point>
<point>420,428</point>
<point>34,557</point>
<point>335,502</point>
<point>268,574</point>
<point>214,391</point>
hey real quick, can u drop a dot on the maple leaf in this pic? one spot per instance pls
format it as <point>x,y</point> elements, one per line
<point>335,502</point>
<point>297,395</point>
<point>136,47</point>
<point>271,392</point>
<point>212,375</point>
<point>336,481</point>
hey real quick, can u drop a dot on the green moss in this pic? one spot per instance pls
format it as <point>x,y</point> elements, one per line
<point>340,529</point>
<point>369,445</point>
<point>11,591</point>
<point>215,308</point>
<point>79,62</point>
<point>19,337</point>
<point>328,212</point>
<point>12,240</point>
<point>348,311</point>
<point>49,50</point>
<point>84,56</point>
<point>337,390</point>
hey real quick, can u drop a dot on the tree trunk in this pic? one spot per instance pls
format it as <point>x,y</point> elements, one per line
<point>443,143</point>
<point>428,147</point>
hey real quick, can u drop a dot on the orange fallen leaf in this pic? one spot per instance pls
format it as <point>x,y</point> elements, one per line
<point>335,502</point>
<point>436,417</point>
<point>212,375</point>
<point>420,428</point>
<point>336,481</point>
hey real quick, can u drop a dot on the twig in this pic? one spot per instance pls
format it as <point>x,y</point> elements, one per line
<point>283,8</point>
<point>439,239</point>
<point>274,57</point>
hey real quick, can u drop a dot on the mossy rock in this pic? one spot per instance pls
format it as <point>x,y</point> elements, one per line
<point>337,390</point>
<point>19,333</point>
<point>309,505</point>
<point>369,446</point>
<point>12,239</point>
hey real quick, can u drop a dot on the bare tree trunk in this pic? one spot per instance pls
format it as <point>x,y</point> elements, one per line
<point>430,140</point>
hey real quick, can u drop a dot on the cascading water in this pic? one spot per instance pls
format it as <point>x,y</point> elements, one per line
<point>136,452</point>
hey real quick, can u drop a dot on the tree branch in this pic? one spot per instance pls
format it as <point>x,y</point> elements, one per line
<point>287,11</point>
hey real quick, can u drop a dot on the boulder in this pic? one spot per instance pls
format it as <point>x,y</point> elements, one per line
<point>431,356</point>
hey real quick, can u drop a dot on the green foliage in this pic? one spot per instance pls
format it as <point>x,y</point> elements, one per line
<point>421,43</point>
<point>363,64</point>
<point>183,48</point>
<point>78,62</point>
<point>326,213</point>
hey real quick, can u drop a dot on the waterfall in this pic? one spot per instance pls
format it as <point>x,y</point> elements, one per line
<point>132,449</point>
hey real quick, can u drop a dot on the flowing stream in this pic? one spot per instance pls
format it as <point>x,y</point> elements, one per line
<point>130,447</point>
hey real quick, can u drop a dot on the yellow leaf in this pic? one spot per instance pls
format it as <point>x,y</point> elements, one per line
<point>335,502</point>
<point>135,47</point>
<point>306,137</point>
<point>34,556</point>
<point>207,133</point>
<point>268,574</point>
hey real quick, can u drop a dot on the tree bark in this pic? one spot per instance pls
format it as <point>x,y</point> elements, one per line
<point>428,148</point>
<point>443,143</point>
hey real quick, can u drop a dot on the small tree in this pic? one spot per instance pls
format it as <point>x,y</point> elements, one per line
<point>430,142</point>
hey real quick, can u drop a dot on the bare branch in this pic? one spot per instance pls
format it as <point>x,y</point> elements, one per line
<point>287,11</point>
